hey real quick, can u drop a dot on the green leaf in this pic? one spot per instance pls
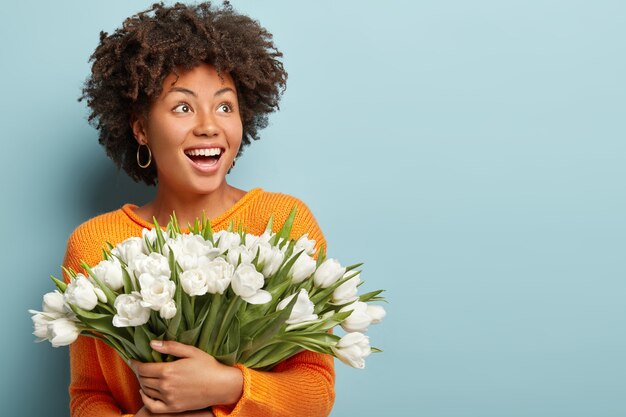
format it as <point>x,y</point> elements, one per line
<point>142,343</point>
<point>60,284</point>
<point>187,307</point>
<point>190,337</point>
<point>371,296</point>
<point>209,324</point>
<point>88,314</point>
<point>314,341</point>
<point>257,356</point>
<point>225,324</point>
<point>151,247</point>
<point>160,239</point>
<point>285,231</point>
<point>157,323</point>
<point>102,323</point>
<point>283,272</point>
<point>351,267</point>
<point>321,256</point>
<point>109,340</point>
<point>230,348</point>
<point>271,329</point>
<point>207,231</point>
<point>129,285</point>
<point>270,223</point>
<point>323,295</point>
<point>131,349</point>
<point>375,350</point>
<point>69,272</point>
<point>274,354</point>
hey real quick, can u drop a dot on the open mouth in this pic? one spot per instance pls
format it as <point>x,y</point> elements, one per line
<point>205,157</point>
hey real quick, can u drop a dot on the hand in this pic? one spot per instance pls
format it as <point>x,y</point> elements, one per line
<point>200,413</point>
<point>193,382</point>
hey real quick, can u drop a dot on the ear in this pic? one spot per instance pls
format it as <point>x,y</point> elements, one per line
<point>138,126</point>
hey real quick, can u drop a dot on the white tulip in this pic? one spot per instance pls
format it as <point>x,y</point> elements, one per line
<point>188,248</point>
<point>102,297</point>
<point>226,240</point>
<point>194,282</point>
<point>130,311</point>
<point>240,251</point>
<point>154,264</point>
<point>247,284</point>
<point>254,240</point>
<point>129,249</point>
<point>150,235</point>
<point>306,244</point>
<point>109,272</point>
<point>328,273</point>
<point>41,320</point>
<point>168,310</point>
<point>359,320</point>
<point>81,293</point>
<point>303,309</point>
<point>270,258</point>
<point>219,274</point>
<point>156,291</point>
<point>302,268</point>
<point>352,349</point>
<point>376,313</point>
<point>54,302</point>
<point>62,332</point>
<point>347,292</point>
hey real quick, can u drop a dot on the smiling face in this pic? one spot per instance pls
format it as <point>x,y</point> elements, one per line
<point>194,130</point>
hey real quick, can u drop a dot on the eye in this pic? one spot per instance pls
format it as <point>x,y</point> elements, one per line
<point>224,108</point>
<point>182,108</point>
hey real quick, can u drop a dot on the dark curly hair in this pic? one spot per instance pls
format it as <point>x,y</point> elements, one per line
<point>129,67</point>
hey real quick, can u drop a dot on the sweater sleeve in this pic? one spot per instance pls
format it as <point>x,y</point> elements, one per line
<point>303,385</point>
<point>88,390</point>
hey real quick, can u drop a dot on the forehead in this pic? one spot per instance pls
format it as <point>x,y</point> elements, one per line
<point>201,78</point>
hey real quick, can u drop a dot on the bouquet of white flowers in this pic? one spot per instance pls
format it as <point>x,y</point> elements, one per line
<point>253,300</point>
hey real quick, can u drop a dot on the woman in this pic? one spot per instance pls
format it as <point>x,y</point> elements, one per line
<point>176,93</point>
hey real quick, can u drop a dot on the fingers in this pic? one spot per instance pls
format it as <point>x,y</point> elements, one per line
<point>147,370</point>
<point>151,392</point>
<point>180,350</point>
<point>153,405</point>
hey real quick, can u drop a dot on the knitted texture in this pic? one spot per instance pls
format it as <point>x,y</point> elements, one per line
<point>103,385</point>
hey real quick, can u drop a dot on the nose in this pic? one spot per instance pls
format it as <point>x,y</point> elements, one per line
<point>206,125</point>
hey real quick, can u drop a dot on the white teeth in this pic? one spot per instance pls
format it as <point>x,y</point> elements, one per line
<point>204,152</point>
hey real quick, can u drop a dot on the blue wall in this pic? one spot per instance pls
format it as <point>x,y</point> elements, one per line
<point>470,153</point>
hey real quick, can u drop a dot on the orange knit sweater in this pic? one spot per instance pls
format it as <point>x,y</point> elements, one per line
<point>103,385</point>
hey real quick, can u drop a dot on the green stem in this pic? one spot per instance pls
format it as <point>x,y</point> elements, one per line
<point>209,324</point>
<point>228,317</point>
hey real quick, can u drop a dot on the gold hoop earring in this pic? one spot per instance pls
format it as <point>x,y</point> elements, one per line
<point>147,164</point>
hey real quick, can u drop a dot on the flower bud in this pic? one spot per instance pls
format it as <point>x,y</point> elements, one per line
<point>303,309</point>
<point>352,349</point>
<point>328,273</point>
<point>54,302</point>
<point>62,332</point>
<point>81,293</point>
<point>248,283</point>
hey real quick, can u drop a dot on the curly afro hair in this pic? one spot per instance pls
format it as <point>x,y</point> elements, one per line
<point>129,67</point>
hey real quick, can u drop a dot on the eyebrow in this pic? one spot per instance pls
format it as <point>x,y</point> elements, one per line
<point>192,93</point>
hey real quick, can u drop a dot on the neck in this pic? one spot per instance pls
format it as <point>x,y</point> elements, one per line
<point>190,207</point>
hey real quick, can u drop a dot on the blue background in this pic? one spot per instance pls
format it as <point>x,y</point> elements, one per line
<point>470,153</point>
